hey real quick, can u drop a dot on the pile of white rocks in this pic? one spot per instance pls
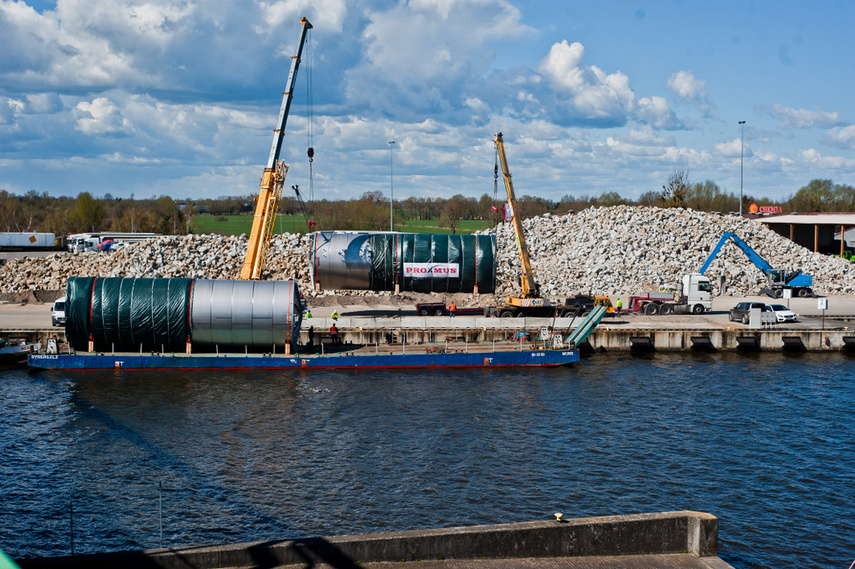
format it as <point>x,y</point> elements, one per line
<point>627,249</point>
<point>191,256</point>
<point>611,250</point>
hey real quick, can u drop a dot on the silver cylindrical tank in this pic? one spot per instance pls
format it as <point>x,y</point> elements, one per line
<point>245,313</point>
<point>341,260</point>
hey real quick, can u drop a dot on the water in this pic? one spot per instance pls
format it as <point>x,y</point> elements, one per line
<point>764,442</point>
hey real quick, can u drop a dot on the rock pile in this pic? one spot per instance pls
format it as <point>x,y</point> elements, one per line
<point>626,249</point>
<point>191,256</point>
<point>610,250</point>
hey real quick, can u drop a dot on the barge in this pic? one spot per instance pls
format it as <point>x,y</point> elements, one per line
<point>132,361</point>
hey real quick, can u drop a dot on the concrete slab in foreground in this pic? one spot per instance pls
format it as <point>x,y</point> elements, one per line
<point>678,540</point>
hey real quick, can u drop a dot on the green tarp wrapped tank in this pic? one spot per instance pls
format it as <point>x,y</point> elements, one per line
<point>433,263</point>
<point>128,314</point>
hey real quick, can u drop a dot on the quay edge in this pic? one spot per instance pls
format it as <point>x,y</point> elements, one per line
<point>677,540</point>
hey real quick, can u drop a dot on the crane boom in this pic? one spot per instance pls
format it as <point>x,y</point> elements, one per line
<point>527,283</point>
<point>273,178</point>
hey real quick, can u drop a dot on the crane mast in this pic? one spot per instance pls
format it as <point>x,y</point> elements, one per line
<point>273,178</point>
<point>527,283</point>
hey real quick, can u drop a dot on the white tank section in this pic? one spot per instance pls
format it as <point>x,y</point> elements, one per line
<point>245,313</point>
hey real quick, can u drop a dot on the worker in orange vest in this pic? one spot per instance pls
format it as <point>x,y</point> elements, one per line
<point>452,309</point>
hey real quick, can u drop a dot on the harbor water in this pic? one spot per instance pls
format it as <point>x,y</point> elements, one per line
<point>131,460</point>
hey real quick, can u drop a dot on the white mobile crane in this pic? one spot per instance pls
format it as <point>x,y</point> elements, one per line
<point>273,179</point>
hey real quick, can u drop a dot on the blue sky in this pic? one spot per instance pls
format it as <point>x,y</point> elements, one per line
<point>162,97</point>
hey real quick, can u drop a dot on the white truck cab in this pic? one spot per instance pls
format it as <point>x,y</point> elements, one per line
<point>697,292</point>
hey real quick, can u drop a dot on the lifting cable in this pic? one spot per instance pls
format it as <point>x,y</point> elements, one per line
<point>496,190</point>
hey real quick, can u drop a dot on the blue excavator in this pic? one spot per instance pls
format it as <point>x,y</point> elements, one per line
<point>778,279</point>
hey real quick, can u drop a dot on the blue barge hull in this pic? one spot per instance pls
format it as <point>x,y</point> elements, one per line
<point>539,358</point>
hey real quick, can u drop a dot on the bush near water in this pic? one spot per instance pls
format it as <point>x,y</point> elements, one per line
<point>611,250</point>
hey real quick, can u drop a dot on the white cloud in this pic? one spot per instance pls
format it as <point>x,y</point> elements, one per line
<point>586,92</point>
<point>733,149</point>
<point>693,90</point>
<point>843,137</point>
<point>100,117</point>
<point>802,118</point>
<point>656,112</point>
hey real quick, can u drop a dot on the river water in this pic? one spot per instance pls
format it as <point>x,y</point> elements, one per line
<point>106,461</point>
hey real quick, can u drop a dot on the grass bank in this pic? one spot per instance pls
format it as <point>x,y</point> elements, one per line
<point>237,224</point>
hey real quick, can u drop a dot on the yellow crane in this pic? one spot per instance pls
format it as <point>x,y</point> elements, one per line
<point>272,180</point>
<point>530,290</point>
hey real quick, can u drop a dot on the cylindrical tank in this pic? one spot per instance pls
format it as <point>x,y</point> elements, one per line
<point>410,261</point>
<point>245,313</point>
<point>130,314</point>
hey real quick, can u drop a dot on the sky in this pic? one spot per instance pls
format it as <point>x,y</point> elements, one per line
<point>180,98</point>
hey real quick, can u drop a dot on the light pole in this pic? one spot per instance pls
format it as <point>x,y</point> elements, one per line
<point>741,164</point>
<point>391,189</point>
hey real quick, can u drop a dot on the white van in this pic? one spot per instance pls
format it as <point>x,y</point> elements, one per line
<point>57,313</point>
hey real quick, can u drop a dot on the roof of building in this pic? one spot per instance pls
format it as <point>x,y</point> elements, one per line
<point>810,219</point>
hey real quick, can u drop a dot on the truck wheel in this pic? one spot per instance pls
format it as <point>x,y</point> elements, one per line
<point>506,314</point>
<point>424,312</point>
<point>779,293</point>
<point>665,309</point>
<point>745,319</point>
<point>698,309</point>
<point>803,292</point>
<point>438,312</point>
<point>651,309</point>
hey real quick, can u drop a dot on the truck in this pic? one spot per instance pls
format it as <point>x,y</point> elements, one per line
<point>82,242</point>
<point>441,309</point>
<point>777,280</point>
<point>694,295</point>
<point>27,241</point>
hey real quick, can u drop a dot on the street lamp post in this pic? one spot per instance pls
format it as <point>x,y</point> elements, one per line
<point>391,189</point>
<point>741,164</point>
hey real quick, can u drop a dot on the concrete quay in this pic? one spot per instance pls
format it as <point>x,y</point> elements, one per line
<point>668,540</point>
<point>398,328</point>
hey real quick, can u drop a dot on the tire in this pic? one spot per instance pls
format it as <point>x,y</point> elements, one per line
<point>651,309</point>
<point>779,293</point>
<point>698,309</point>
<point>506,314</point>
<point>804,292</point>
<point>438,312</point>
<point>745,319</point>
<point>666,309</point>
<point>424,312</point>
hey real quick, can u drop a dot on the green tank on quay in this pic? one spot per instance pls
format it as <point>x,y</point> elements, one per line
<point>145,314</point>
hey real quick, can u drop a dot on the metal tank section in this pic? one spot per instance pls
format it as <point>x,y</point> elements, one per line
<point>403,262</point>
<point>133,314</point>
<point>230,314</point>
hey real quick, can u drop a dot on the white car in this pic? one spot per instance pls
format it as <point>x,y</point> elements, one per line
<point>782,313</point>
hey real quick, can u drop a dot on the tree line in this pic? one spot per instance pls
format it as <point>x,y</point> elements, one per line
<point>63,215</point>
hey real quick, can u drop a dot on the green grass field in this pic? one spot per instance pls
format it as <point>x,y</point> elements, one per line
<point>237,224</point>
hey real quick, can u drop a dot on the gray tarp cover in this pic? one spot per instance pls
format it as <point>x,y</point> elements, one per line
<point>475,255</point>
<point>126,314</point>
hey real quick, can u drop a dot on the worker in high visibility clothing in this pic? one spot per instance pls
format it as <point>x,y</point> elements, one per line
<point>619,306</point>
<point>452,309</point>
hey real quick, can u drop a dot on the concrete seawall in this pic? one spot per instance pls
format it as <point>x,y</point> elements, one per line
<point>683,533</point>
<point>609,336</point>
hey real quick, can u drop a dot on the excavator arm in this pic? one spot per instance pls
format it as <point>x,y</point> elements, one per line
<point>272,180</point>
<point>752,255</point>
<point>527,283</point>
